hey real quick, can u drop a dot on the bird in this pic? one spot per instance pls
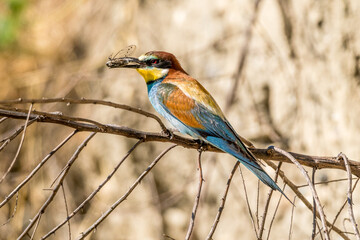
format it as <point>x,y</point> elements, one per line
<point>189,107</point>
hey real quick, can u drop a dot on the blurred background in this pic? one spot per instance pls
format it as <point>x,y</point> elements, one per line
<point>299,90</point>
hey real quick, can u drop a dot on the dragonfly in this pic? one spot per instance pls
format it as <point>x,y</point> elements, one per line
<point>122,57</point>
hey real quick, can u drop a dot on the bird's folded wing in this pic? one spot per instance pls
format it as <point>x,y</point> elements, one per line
<point>203,121</point>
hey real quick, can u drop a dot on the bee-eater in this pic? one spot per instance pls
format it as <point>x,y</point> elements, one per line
<point>189,107</point>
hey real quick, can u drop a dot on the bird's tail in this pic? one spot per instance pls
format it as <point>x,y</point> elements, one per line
<point>245,157</point>
<point>264,177</point>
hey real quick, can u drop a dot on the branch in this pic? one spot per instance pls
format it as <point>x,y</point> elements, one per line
<point>120,200</point>
<point>56,188</point>
<point>304,200</point>
<point>312,188</point>
<point>78,123</point>
<point>197,199</point>
<point>243,55</point>
<point>349,196</point>
<point>86,101</point>
<point>36,169</point>
<point>222,205</point>
<point>91,196</point>
<point>19,147</point>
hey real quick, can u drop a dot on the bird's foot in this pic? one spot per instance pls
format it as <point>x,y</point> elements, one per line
<point>201,144</point>
<point>169,133</point>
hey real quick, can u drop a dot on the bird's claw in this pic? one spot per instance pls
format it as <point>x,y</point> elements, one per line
<point>201,144</point>
<point>169,133</point>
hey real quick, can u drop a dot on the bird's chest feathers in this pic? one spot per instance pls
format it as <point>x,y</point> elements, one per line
<point>152,74</point>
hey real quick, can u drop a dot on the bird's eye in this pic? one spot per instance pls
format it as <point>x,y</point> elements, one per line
<point>153,61</point>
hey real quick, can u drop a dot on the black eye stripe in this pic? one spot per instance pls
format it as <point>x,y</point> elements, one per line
<point>153,61</point>
<point>159,63</point>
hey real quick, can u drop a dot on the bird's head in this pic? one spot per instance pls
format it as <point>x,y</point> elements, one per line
<point>151,65</point>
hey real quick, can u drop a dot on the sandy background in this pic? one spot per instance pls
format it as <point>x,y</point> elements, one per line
<point>300,90</point>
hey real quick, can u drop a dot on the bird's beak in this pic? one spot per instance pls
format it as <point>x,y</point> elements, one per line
<point>123,62</point>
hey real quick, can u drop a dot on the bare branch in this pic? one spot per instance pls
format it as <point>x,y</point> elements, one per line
<point>243,55</point>
<point>349,196</point>
<point>8,139</point>
<point>87,101</point>
<point>34,171</point>
<point>3,119</point>
<point>66,208</point>
<point>312,188</point>
<point>342,207</point>
<point>13,214</point>
<point>120,200</point>
<point>197,199</point>
<point>276,209</point>
<point>222,205</point>
<point>292,217</point>
<point>262,225</point>
<point>313,233</point>
<point>20,145</point>
<point>57,186</point>
<point>88,199</point>
<point>304,200</point>
<point>248,204</point>
<point>306,160</point>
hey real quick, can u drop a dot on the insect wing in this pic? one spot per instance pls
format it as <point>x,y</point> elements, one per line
<point>125,52</point>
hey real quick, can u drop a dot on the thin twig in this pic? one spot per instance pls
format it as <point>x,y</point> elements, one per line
<point>222,204</point>
<point>36,227</point>
<point>197,200</point>
<point>19,147</point>
<point>341,208</point>
<point>303,199</point>
<point>88,101</point>
<point>257,204</point>
<point>13,214</point>
<point>8,139</point>
<point>88,199</point>
<point>66,208</point>
<point>292,217</point>
<point>262,225</point>
<point>306,160</point>
<point>276,209</point>
<point>314,207</point>
<point>3,119</point>
<point>120,200</point>
<point>34,171</point>
<point>243,55</point>
<point>312,188</point>
<point>248,204</point>
<point>57,186</point>
<point>329,181</point>
<point>349,196</point>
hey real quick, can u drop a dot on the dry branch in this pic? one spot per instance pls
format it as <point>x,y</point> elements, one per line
<point>349,196</point>
<point>304,200</point>
<point>120,200</point>
<point>56,187</point>
<point>223,200</point>
<point>312,188</point>
<point>92,195</point>
<point>197,200</point>
<point>78,123</point>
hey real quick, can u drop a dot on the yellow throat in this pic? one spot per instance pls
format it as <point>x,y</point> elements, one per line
<point>152,74</point>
